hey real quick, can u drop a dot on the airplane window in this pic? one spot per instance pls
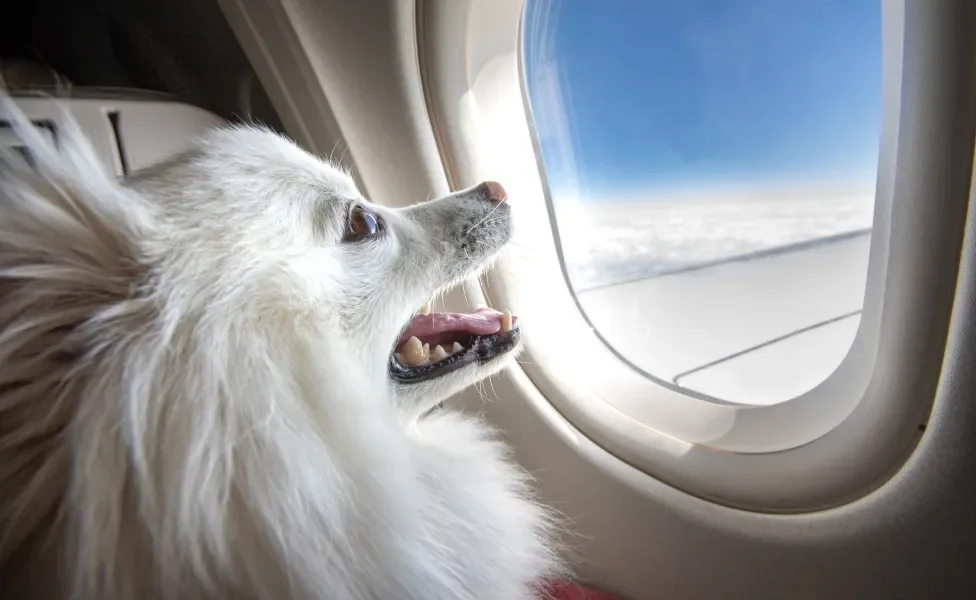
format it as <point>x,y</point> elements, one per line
<point>711,169</point>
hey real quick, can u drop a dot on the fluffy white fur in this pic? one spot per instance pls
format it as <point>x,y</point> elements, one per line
<point>194,397</point>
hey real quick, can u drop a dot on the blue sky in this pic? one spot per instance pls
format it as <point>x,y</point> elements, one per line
<point>672,92</point>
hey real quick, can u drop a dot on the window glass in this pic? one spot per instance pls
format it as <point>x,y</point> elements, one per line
<point>711,167</point>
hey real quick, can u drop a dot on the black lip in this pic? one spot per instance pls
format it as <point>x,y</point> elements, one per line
<point>480,349</point>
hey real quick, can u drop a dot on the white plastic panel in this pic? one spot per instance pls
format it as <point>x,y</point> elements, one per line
<point>127,135</point>
<point>10,141</point>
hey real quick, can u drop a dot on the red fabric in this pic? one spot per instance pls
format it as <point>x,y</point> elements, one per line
<point>561,590</point>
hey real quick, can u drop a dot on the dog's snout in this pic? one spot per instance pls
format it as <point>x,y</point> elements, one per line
<point>493,192</point>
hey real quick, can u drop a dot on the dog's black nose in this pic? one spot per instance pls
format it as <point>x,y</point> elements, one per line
<point>493,192</point>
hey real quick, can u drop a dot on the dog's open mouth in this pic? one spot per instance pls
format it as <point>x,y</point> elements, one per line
<point>434,344</point>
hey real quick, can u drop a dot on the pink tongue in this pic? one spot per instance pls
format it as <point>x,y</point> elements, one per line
<point>483,322</point>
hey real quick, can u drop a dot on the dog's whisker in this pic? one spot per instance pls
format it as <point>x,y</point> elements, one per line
<point>492,385</point>
<point>477,388</point>
<point>334,146</point>
<point>485,218</point>
<point>344,150</point>
<point>342,153</point>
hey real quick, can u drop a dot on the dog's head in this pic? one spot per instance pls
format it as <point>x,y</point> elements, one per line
<point>281,236</point>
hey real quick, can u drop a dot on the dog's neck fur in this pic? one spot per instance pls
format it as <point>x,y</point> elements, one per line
<point>207,468</point>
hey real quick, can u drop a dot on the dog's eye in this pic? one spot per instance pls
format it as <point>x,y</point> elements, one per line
<point>362,224</point>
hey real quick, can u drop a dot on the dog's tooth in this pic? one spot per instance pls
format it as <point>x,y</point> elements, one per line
<point>414,352</point>
<point>506,321</point>
<point>438,353</point>
<point>457,348</point>
<point>425,309</point>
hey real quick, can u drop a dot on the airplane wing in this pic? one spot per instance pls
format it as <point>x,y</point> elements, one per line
<point>757,329</point>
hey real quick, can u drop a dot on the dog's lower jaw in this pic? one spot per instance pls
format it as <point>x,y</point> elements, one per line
<point>418,399</point>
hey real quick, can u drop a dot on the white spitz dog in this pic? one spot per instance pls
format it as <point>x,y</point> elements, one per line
<point>216,383</point>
